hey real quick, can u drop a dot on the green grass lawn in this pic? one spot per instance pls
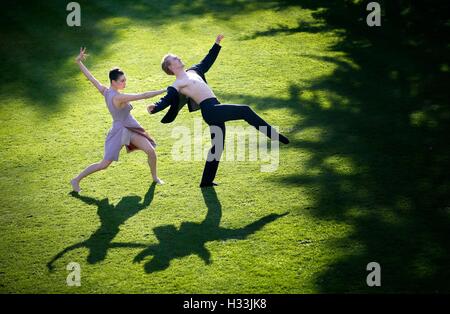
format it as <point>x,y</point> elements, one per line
<point>364,179</point>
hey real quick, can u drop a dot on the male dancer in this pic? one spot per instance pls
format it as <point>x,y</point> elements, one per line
<point>192,84</point>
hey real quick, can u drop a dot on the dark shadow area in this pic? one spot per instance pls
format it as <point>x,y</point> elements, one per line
<point>280,29</point>
<point>191,237</point>
<point>36,44</point>
<point>111,218</point>
<point>389,120</point>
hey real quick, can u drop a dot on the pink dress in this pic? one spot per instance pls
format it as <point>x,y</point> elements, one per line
<point>124,124</point>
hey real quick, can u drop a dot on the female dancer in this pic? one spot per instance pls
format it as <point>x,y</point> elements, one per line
<point>125,129</point>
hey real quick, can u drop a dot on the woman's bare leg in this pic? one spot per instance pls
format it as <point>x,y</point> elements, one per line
<point>143,144</point>
<point>89,170</point>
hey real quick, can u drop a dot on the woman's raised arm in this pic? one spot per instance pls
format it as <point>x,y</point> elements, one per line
<point>82,56</point>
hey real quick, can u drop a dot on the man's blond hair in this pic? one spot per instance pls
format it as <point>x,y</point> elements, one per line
<point>165,63</point>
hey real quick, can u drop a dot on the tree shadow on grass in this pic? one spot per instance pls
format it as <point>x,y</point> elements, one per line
<point>190,237</point>
<point>372,169</point>
<point>381,161</point>
<point>111,218</point>
<point>37,44</point>
<point>280,29</point>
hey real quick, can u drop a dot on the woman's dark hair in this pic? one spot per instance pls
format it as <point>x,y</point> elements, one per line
<point>114,74</point>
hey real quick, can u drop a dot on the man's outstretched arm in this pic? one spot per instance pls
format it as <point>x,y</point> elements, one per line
<point>208,61</point>
<point>166,101</point>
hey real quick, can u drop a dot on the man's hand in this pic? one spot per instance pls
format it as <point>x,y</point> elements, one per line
<point>219,38</point>
<point>150,108</point>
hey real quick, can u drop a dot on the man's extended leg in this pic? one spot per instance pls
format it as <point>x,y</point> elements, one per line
<point>225,112</point>
<point>214,154</point>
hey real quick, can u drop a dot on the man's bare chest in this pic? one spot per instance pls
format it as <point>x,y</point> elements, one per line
<point>193,81</point>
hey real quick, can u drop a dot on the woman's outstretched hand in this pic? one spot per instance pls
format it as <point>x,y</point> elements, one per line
<point>82,56</point>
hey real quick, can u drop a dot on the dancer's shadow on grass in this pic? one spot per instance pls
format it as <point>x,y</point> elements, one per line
<point>111,217</point>
<point>191,237</point>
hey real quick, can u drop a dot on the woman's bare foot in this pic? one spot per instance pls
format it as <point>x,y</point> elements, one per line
<point>75,185</point>
<point>158,181</point>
